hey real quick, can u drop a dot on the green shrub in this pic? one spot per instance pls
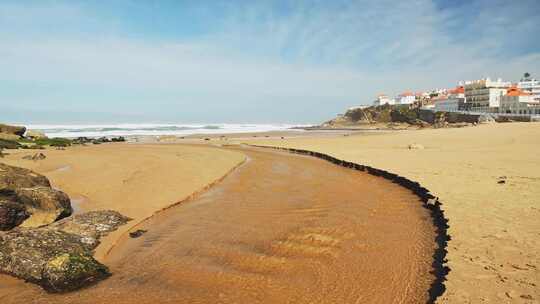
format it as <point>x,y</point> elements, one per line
<point>53,142</point>
<point>9,144</point>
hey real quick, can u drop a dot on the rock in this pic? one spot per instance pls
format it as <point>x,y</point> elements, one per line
<point>11,137</point>
<point>137,233</point>
<point>12,178</point>
<point>45,205</point>
<point>118,139</point>
<point>12,214</point>
<point>92,225</point>
<point>9,144</point>
<point>37,156</point>
<point>71,271</point>
<point>486,119</point>
<point>56,260</point>
<point>34,134</point>
<point>16,130</point>
<point>58,257</point>
<point>415,146</point>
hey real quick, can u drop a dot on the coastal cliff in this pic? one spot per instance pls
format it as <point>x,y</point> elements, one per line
<point>387,116</point>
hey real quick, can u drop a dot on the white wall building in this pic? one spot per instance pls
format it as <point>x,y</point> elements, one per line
<point>405,98</point>
<point>454,101</point>
<point>518,101</point>
<point>530,86</point>
<point>383,99</point>
<point>485,95</point>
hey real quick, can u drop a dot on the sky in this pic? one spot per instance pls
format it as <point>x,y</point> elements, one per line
<point>248,60</point>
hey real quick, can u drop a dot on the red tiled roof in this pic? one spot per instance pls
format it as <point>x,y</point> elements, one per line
<point>458,90</point>
<point>514,91</point>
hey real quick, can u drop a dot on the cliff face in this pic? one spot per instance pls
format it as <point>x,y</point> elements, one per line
<point>392,115</point>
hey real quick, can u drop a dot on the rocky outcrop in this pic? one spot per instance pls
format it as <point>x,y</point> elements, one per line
<point>12,214</point>
<point>11,137</point>
<point>91,225</point>
<point>15,130</point>
<point>12,178</point>
<point>59,257</point>
<point>33,193</point>
<point>45,205</point>
<point>390,116</point>
<point>33,134</point>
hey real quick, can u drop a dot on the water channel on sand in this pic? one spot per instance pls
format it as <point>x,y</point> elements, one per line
<point>282,228</point>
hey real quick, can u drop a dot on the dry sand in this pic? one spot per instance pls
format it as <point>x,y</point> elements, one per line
<point>136,180</point>
<point>282,228</point>
<point>494,254</point>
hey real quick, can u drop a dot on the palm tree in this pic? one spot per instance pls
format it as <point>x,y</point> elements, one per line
<point>526,75</point>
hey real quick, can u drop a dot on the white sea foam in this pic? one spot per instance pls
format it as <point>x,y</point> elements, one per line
<point>98,130</point>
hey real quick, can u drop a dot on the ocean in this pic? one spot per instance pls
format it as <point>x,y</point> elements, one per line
<point>108,130</point>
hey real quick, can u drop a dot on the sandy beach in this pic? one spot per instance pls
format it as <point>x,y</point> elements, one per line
<point>136,180</point>
<point>281,228</point>
<point>494,251</point>
<point>492,256</point>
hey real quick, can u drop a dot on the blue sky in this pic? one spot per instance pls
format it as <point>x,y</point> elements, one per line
<point>247,61</point>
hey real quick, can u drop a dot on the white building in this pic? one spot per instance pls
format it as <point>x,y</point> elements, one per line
<point>405,98</point>
<point>383,99</point>
<point>530,86</point>
<point>454,101</point>
<point>485,95</point>
<point>517,101</point>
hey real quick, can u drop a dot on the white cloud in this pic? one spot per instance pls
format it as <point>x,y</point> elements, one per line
<point>329,56</point>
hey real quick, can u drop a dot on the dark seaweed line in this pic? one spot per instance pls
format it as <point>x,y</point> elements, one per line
<point>430,202</point>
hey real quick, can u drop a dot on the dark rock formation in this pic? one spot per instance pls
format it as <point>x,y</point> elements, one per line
<point>137,233</point>
<point>46,205</point>
<point>16,130</point>
<point>12,214</point>
<point>58,257</point>
<point>32,192</point>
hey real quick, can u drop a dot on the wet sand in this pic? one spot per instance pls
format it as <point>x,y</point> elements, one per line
<point>281,228</point>
<point>494,253</point>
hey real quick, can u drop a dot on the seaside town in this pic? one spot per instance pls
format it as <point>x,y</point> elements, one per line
<point>486,96</point>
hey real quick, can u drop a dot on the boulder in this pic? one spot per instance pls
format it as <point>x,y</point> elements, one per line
<point>34,134</point>
<point>12,178</point>
<point>11,137</point>
<point>16,130</point>
<point>56,260</point>
<point>37,156</point>
<point>45,205</point>
<point>12,214</point>
<point>58,257</point>
<point>33,191</point>
<point>92,225</point>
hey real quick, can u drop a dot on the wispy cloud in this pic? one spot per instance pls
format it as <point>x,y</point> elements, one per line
<point>257,60</point>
